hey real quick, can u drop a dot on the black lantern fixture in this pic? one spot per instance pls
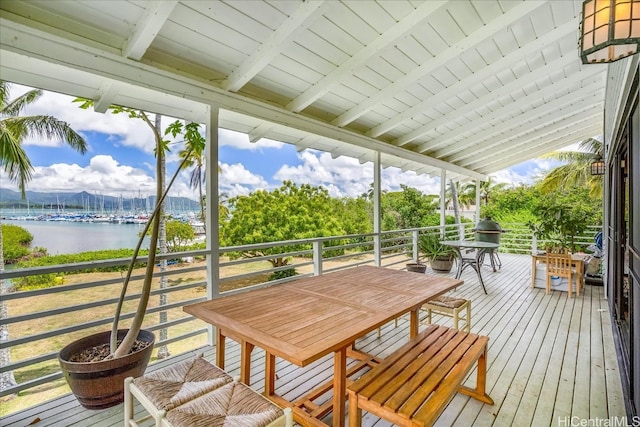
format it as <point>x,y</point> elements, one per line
<point>598,166</point>
<point>610,30</point>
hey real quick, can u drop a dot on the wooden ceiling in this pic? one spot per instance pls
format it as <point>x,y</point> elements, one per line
<point>472,87</point>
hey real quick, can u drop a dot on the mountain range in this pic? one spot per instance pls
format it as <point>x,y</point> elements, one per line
<point>10,199</point>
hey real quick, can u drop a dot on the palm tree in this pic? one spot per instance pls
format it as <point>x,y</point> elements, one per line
<point>487,189</point>
<point>576,171</point>
<point>14,128</point>
<point>194,155</point>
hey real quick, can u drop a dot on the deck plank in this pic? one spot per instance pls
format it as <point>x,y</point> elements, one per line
<point>549,357</point>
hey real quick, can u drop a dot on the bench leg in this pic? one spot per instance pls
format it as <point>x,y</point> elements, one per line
<point>479,393</point>
<point>355,413</point>
<point>468,319</point>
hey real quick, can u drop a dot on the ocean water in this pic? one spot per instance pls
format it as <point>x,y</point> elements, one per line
<point>65,237</point>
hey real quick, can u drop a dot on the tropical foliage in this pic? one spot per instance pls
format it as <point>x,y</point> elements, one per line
<point>14,129</point>
<point>16,242</point>
<point>560,216</point>
<point>408,208</point>
<point>290,212</point>
<point>575,171</point>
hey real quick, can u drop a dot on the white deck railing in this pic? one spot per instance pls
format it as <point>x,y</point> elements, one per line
<point>38,328</point>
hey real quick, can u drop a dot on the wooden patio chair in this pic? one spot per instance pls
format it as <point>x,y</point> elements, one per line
<point>558,262</point>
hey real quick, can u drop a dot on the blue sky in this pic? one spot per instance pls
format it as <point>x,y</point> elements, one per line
<point>120,160</point>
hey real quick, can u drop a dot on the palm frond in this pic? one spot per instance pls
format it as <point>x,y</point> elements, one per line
<point>14,107</point>
<point>14,159</point>
<point>47,127</point>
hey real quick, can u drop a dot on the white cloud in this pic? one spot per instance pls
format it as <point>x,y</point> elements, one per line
<point>235,180</point>
<point>123,130</point>
<point>241,141</point>
<point>345,176</point>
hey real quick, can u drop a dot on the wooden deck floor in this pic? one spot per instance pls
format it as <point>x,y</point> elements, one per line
<point>550,358</point>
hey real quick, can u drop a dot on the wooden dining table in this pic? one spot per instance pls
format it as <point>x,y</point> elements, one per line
<point>309,318</point>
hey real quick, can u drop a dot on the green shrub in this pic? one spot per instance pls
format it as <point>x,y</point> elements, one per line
<point>15,242</point>
<point>281,274</point>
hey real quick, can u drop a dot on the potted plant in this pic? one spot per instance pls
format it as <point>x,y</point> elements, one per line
<point>95,366</point>
<point>440,256</point>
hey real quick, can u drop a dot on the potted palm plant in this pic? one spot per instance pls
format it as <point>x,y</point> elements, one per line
<point>95,366</point>
<point>440,256</point>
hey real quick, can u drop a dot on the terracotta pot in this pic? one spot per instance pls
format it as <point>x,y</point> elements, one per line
<point>416,267</point>
<point>99,385</point>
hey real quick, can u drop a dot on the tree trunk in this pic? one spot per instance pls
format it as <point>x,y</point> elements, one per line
<point>163,350</point>
<point>456,208</point>
<point>6,378</point>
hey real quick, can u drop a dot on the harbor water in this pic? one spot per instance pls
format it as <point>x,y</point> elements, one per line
<point>66,237</point>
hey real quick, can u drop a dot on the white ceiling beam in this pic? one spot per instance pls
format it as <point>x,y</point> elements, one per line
<point>306,142</point>
<point>453,140</point>
<point>547,127</point>
<point>539,76</point>
<point>298,22</point>
<point>147,28</point>
<point>535,151</point>
<point>493,27</point>
<point>260,131</point>
<point>43,46</point>
<point>502,64</point>
<point>105,99</point>
<point>398,30</point>
<point>583,120</point>
<point>550,112</point>
<point>506,90</point>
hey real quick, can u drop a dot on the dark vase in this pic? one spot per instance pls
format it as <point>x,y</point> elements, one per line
<point>416,267</point>
<point>99,385</point>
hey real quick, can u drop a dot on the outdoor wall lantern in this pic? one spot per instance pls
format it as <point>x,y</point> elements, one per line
<point>610,30</point>
<point>597,167</point>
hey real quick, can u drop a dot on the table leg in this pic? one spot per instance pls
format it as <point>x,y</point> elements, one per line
<point>460,261</point>
<point>270,374</point>
<point>478,266</point>
<point>245,362</point>
<point>339,386</point>
<point>413,325</point>
<point>220,341</point>
<point>533,271</point>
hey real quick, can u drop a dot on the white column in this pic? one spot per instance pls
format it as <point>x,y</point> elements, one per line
<point>377,215</point>
<point>478,189</point>
<point>211,207</point>
<point>443,202</point>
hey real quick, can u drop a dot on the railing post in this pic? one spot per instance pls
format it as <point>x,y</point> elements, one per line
<point>414,246</point>
<point>317,257</point>
<point>534,244</point>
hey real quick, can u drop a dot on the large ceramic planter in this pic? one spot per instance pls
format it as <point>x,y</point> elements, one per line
<point>441,264</point>
<point>99,385</point>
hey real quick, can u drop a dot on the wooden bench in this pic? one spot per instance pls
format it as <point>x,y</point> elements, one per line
<point>414,384</point>
<point>196,392</point>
